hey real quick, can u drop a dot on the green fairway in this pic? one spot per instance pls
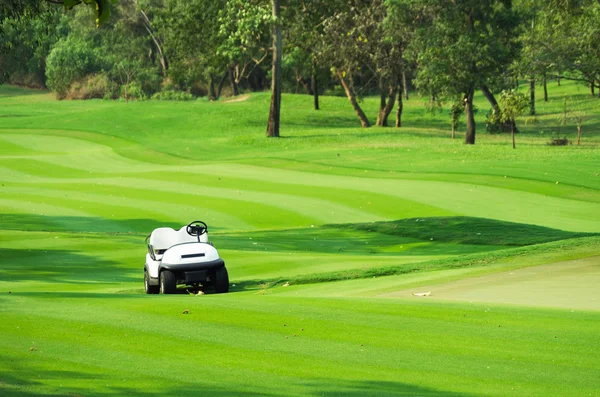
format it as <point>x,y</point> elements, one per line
<point>356,220</point>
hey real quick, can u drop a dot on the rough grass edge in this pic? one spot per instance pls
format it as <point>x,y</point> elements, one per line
<point>463,261</point>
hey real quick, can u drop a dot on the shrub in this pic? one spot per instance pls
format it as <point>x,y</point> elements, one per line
<point>492,122</point>
<point>172,95</point>
<point>69,60</point>
<point>134,91</point>
<point>559,142</point>
<point>92,86</point>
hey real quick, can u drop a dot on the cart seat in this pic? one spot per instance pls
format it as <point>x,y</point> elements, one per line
<point>164,238</point>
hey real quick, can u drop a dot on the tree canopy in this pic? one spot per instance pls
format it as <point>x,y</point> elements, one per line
<point>180,49</point>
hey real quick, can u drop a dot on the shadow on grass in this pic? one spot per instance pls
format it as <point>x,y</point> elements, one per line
<point>12,385</point>
<point>405,237</point>
<point>60,266</point>
<point>466,230</point>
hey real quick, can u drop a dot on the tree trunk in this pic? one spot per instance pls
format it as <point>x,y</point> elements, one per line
<point>506,126</point>
<point>558,81</point>
<point>453,126</point>
<point>401,91</point>
<point>593,89</point>
<point>275,111</point>
<point>470,116</point>
<point>364,121</point>
<point>211,89</point>
<point>305,85</point>
<point>386,105</point>
<point>390,105</point>
<point>578,134</point>
<point>404,85</point>
<point>234,86</point>
<point>532,96</point>
<point>491,99</point>
<point>221,84</point>
<point>382,103</point>
<point>545,89</point>
<point>513,136</point>
<point>314,84</point>
<point>157,43</point>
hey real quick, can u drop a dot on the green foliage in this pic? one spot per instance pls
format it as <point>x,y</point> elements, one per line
<point>513,104</point>
<point>69,60</point>
<point>459,47</point>
<point>25,44</point>
<point>457,110</point>
<point>94,86</point>
<point>133,90</point>
<point>172,95</point>
<point>493,122</point>
<point>100,7</point>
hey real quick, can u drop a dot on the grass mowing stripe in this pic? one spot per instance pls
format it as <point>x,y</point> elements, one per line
<point>480,201</point>
<point>107,212</point>
<point>320,210</point>
<point>395,346</point>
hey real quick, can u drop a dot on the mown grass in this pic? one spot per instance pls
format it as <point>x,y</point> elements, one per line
<point>83,183</point>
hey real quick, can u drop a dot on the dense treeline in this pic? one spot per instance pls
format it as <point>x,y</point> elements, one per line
<point>181,49</point>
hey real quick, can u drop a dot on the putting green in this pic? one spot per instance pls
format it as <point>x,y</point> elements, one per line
<point>569,284</point>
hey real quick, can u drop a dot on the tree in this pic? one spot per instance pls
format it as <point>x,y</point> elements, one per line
<point>346,45</point>
<point>25,44</point>
<point>193,42</point>
<point>579,115</point>
<point>460,45</point>
<point>304,20</point>
<point>127,69</point>
<point>513,104</point>
<point>275,108</point>
<point>456,111</point>
<point>245,32</point>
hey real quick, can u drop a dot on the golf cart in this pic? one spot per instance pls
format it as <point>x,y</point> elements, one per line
<point>183,256</point>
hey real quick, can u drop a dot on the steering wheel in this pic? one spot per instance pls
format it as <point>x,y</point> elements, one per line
<point>196,229</point>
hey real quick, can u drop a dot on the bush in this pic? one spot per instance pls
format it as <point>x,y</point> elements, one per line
<point>69,60</point>
<point>173,95</point>
<point>92,86</point>
<point>559,142</point>
<point>134,91</point>
<point>492,122</point>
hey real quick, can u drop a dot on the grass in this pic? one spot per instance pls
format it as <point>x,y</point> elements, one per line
<point>349,217</point>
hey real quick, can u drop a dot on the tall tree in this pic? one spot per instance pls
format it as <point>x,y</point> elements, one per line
<point>275,108</point>
<point>460,46</point>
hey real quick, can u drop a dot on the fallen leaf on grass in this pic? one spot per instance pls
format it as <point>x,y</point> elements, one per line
<point>422,293</point>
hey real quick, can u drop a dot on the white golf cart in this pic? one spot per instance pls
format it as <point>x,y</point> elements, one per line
<point>183,256</point>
